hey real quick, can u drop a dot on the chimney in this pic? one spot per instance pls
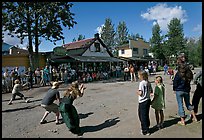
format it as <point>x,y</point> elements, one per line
<point>96,35</point>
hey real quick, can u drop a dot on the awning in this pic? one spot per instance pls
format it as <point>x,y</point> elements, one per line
<point>137,59</point>
<point>67,59</point>
<point>96,59</point>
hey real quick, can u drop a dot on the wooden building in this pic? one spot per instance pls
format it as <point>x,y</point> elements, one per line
<point>88,54</point>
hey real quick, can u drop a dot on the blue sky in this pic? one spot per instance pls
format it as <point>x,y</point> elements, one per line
<point>138,16</point>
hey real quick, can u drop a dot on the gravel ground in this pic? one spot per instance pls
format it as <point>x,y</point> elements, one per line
<point>108,109</point>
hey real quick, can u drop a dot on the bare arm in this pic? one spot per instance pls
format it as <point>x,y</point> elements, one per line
<point>139,92</point>
<point>82,88</point>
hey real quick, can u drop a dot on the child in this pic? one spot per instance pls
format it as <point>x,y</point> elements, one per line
<point>145,89</point>
<point>158,102</point>
<point>68,110</point>
<point>16,91</point>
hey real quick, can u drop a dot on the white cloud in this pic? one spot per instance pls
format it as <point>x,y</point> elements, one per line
<point>14,40</point>
<point>198,28</point>
<point>99,29</point>
<point>162,14</point>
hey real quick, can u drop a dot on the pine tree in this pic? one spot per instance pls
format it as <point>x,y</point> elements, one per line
<point>175,43</point>
<point>108,34</point>
<point>121,34</point>
<point>81,37</point>
<point>156,43</point>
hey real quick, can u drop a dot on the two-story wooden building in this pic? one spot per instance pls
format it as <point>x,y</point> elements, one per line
<point>88,54</point>
<point>135,51</point>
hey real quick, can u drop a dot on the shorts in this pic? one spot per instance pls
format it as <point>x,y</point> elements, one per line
<point>51,108</point>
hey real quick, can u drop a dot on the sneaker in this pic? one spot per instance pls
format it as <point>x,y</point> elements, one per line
<point>145,133</point>
<point>59,122</point>
<point>148,133</point>
<point>10,103</point>
<point>27,101</point>
<point>43,122</point>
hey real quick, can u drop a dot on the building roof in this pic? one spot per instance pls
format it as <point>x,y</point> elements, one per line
<point>79,44</point>
<point>141,42</point>
<point>137,44</point>
<point>6,46</point>
<point>79,47</point>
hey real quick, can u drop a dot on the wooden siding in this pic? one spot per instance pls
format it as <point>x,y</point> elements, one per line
<point>20,60</point>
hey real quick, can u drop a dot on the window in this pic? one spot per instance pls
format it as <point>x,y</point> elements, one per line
<point>97,46</point>
<point>122,51</point>
<point>144,51</point>
<point>135,50</point>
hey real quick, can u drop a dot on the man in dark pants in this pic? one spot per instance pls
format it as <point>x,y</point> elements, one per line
<point>198,92</point>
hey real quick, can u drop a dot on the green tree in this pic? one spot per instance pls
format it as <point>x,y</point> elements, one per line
<point>133,36</point>
<point>121,33</point>
<point>108,33</point>
<point>195,51</point>
<point>157,48</point>
<point>36,19</point>
<point>74,40</point>
<point>199,51</point>
<point>175,42</point>
<point>81,37</point>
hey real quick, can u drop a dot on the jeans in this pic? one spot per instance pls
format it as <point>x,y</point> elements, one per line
<point>180,95</point>
<point>143,113</point>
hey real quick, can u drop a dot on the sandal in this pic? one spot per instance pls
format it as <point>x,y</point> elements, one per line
<point>194,120</point>
<point>43,122</point>
<point>180,123</point>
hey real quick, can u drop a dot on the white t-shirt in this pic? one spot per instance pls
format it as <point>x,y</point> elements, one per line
<point>146,89</point>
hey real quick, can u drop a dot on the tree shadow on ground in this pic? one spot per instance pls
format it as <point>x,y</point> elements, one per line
<point>82,116</point>
<point>17,109</point>
<point>107,123</point>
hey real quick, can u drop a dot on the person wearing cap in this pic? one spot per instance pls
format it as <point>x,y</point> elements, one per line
<point>48,102</point>
<point>16,91</point>
<point>67,110</point>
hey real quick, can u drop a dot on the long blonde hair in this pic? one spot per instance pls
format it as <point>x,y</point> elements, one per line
<point>73,90</point>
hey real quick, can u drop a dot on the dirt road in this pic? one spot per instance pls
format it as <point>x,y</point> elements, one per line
<point>107,110</point>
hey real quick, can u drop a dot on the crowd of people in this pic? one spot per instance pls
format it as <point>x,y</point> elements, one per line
<point>147,97</point>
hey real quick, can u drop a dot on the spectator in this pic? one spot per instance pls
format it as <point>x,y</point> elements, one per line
<point>165,69</point>
<point>126,73</point>
<point>132,73</point>
<point>38,76</point>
